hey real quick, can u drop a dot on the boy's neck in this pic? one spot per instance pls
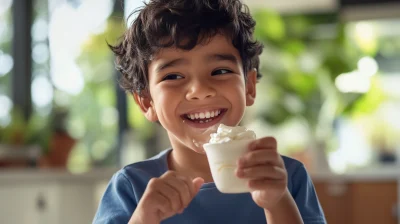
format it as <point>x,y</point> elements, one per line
<point>187,162</point>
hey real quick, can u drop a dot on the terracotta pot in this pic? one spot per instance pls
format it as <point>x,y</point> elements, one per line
<point>60,147</point>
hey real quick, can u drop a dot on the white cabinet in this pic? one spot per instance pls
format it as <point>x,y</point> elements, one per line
<point>27,204</point>
<point>50,197</point>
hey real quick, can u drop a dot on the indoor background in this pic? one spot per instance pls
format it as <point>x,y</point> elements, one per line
<point>330,94</point>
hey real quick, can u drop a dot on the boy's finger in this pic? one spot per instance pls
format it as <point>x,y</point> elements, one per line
<point>197,182</point>
<point>183,190</point>
<point>173,196</point>
<point>260,157</point>
<point>188,182</point>
<point>266,184</point>
<point>163,204</point>
<point>262,172</point>
<point>263,143</point>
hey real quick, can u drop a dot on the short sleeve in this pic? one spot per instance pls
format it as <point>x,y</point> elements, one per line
<point>305,196</point>
<point>118,202</point>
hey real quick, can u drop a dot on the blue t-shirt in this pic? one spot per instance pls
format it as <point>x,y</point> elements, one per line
<point>209,206</point>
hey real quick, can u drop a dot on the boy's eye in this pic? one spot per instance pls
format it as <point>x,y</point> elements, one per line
<point>172,77</point>
<point>221,72</point>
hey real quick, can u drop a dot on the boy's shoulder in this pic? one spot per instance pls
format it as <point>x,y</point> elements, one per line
<point>297,174</point>
<point>291,163</point>
<point>152,167</point>
<point>294,167</point>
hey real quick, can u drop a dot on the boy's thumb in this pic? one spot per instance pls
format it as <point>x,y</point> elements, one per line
<point>198,181</point>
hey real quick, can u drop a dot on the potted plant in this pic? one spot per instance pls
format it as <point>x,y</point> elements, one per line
<point>22,141</point>
<point>38,141</point>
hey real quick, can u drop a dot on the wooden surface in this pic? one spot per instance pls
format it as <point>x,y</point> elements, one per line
<point>358,202</point>
<point>335,201</point>
<point>373,203</point>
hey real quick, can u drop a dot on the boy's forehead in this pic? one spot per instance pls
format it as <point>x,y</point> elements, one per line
<point>219,44</point>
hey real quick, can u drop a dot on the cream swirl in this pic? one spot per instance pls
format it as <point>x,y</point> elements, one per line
<point>227,134</point>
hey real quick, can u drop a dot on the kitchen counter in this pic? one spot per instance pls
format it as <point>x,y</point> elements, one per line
<point>9,176</point>
<point>383,173</point>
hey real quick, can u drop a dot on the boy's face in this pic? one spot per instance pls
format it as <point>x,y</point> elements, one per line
<point>191,91</point>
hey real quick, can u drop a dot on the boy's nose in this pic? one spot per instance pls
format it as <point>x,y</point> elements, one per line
<point>200,90</point>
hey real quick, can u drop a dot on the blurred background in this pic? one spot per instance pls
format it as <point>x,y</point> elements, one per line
<point>330,95</point>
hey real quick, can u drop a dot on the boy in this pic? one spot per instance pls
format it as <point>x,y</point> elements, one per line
<point>192,64</point>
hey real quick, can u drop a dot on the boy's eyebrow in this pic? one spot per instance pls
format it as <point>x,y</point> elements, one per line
<point>223,57</point>
<point>213,57</point>
<point>171,63</point>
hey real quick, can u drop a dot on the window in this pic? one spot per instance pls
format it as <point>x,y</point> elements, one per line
<point>82,74</point>
<point>6,61</point>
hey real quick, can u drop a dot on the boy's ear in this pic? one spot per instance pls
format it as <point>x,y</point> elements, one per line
<point>251,87</point>
<point>146,106</point>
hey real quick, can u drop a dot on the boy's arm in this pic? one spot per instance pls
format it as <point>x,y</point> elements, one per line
<point>285,211</point>
<point>265,170</point>
<point>300,204</point>
<point>271,181</point>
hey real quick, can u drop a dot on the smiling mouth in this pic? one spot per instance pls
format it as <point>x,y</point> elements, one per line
<point>204,117</point>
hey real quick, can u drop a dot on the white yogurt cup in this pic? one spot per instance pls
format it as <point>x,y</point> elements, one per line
<point>222,158</point>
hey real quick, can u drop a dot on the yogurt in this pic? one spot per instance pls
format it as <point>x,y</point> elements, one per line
<point>228,133</point>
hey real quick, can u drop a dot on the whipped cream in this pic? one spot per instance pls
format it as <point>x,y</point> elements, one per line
<point>227,134</point>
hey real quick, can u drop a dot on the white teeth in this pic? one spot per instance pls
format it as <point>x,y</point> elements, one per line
<point>201,122</point>
<point>202,115</point>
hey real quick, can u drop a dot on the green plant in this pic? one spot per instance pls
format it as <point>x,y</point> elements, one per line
<point>21,132</point>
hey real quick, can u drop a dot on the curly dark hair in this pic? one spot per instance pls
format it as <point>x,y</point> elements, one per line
<point>182,24</point>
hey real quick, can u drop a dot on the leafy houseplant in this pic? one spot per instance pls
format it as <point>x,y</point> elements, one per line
<point>23,140</point>
<point>36,140</point>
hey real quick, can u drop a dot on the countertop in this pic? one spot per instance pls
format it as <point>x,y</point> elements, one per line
<point>381,173</point>
<point>56,175</point>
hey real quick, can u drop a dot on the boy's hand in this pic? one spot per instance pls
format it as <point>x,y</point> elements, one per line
<point>165,196</point>
<point>264,168</point>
